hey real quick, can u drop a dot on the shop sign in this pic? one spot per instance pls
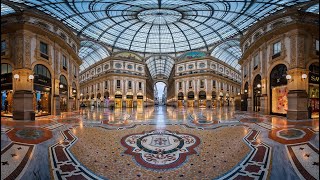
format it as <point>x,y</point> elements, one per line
<point>139,97</point>
<point>180,97</point>
<point>41,80</point>
<point>118,96</point>
<point>313,78</point>
<point>190,96</point>
<point>202,96</point>
<point>129,96</point>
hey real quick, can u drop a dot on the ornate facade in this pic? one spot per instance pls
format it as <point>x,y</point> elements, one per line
<point>199,80</point>
<point>280,56</point>
<point>40,66</point>
<point>121,80</point>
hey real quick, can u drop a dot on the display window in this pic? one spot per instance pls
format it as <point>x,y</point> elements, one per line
<point>41,102</point>
<point>6,102</point>
<point>139,101</point>
<point>280,100</point>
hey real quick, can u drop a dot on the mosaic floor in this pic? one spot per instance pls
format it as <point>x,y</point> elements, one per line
<point>160,143</point>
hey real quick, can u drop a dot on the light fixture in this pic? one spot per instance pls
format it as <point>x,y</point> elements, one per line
<point>304,76</point>
<point>288,76</point>
<point>258,85</point>
<point>16,76</point>
<point>31,77</point>
<point>238,93</point>
<point>61,86</point>
<point>74,91</point>
<point>81,94</point>
<point>245,90</point>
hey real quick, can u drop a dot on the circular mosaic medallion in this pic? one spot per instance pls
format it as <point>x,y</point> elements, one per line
<point>160,149</point>
<point>69,120</point>
<point>29,133</point>
<point>118,65</point>
<point>190,66</point>
<point>291,133</point>
<point>251,120</point>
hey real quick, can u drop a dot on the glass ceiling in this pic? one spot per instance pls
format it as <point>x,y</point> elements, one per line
<point>90,53</point>
<point>5,9</point>
<point>314,9</point>
<point>160,65</point>
<point>159,26</point>
<point>228,52</point>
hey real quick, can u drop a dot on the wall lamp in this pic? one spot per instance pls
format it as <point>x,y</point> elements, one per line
<point>245,91</point>
<point>258,85</point>
<point>30,78</point>
<point>61,86</point>
<point>289,78</point>
<point>304,76</point>
<point>16,77</point>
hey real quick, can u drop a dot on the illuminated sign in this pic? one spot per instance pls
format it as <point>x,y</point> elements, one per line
<point>313,78</point>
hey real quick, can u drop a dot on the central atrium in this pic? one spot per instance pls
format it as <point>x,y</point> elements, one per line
<point>160,89</point>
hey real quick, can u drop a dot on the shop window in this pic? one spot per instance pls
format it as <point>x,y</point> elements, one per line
<point>129,84</point>
<point>3,47</point>
<point>276,49</point>
<point>44,50</point>
<point>140,85</point>
<point>106,85</point>
<point>317,47</point>
<point>201,83</point>
<point>64,62</point>
<point>6,68</point>
<point>256,61</point>
<point>118,83</point>
<point>180,85</point>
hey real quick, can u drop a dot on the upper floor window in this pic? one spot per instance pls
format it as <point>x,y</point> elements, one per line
<point>276,49</point>
<point>6,68</point>
<point>98,86</point>
<point>64,62</point>
<point>3,47</point>
<point>190,84</point>
<point>74,71</point>
<point>227,87</point>
<point>118,83</point>
<point>44,50</point>
<point>213,83</point>
<point>87,89</point>
<point>245,71</point>
<point>180,85</point>
<point>106,85</point>
<point>129,84</point>
<point>256,61</point>
<point>201,83</point>
<point>221,85</point>
<point>92,87</point>
<point>140,85</point>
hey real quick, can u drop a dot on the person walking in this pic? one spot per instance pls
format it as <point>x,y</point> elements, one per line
<point>6,106</point>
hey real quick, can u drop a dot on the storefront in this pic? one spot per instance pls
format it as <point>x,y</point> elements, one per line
<point>42,87</point>
<point>118,101</point>
<point>180,99</point>
<point>106,99</point>
<point>191,99</point>
<point>6,90</point>
<point>314,89</point>
<point>63,92</point>
<point>139,101</point>
<point>99,100</point>
<point>256,93</point>
<point>213,99</point>
<point>279,90</point>
<point>129,101</point>
<point>92,100</point>
<point>202,99</point>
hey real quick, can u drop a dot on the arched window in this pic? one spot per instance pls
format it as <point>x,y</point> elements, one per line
<point>6,68</point>
<point>42,70</point>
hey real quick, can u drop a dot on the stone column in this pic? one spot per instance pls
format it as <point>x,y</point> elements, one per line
<point>264,97</point>
<point>297,95</point>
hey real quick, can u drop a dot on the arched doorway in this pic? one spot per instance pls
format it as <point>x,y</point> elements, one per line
<point>180,99</point>
<point>129,100</point>
<point>314,89</point>
<point>87,100</point>
<point>190,99</point>
<point>244,97</point>
<point>139,100</point>
<point>92,100</point>
<point>98,99</point>
<point>118,100</point>
<point>213,98</point>
<point>278,90</point>
<point>106,99</point>
<point>160,93</point>
<point>202,99</point>
<point>63,92</point>
<point>42,90</point>
<point>256,93</point>
<point>6,90</point>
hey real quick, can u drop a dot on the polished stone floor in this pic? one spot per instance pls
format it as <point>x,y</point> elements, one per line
<point>160,143</point>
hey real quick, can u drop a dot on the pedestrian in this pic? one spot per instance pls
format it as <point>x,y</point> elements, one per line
<point>6,106</point>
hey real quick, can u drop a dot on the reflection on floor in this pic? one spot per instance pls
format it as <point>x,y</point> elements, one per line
<point>160,143</point>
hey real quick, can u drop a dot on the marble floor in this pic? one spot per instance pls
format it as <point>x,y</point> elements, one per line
<point>160,143</point>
